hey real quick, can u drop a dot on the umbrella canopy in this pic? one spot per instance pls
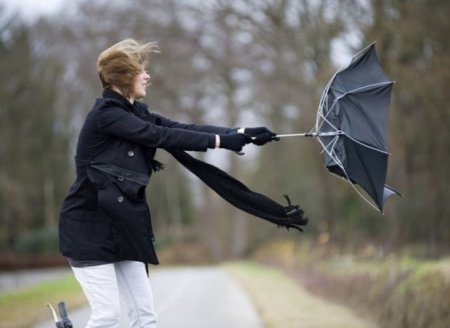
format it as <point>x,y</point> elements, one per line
<point>352,125</point>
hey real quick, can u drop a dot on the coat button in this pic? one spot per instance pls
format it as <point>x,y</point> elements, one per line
<point>120,199</point>
<point>130,153</point>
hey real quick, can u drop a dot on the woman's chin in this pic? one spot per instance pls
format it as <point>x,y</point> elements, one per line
<point>140,96</point>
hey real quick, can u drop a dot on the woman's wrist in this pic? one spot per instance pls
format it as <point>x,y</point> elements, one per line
<point>217,141</point>
<point>213,141</point>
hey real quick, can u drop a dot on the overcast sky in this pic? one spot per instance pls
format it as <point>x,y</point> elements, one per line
<point>30,9</point>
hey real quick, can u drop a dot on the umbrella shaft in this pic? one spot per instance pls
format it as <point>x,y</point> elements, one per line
<point>310,134</point>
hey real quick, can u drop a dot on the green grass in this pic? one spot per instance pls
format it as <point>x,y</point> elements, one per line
<point>282,302</point>
<point>26,306</point>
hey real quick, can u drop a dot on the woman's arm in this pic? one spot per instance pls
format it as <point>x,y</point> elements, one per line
<point>117,122</point>
<point>193,127</point>
<point>259,135</point>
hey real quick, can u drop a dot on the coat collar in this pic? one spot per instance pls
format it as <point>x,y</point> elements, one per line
<point>109,93</point>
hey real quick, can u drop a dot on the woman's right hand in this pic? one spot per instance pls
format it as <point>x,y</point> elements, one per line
<point>234,141</point>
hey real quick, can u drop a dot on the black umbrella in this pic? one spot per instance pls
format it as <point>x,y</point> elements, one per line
<point>351,126</point>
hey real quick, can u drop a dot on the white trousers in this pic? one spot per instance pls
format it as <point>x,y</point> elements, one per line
<point>104,286</point>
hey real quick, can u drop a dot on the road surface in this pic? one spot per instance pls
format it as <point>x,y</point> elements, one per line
<point>193,297</point>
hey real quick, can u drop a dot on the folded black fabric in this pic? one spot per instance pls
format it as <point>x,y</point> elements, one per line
<point>240,196</point>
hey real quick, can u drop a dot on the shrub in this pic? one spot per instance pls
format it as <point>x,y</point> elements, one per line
<point>40,240</point>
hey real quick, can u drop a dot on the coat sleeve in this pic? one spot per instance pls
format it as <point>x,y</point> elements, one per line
<point>117,122</point>
<point>194,127</point>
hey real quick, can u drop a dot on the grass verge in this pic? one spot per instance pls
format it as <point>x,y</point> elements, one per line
<point>24,307</point>
<point>282,302</point>
<point>394,290</point>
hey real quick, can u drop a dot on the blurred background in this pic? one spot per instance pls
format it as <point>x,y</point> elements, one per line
<point>232,63</point>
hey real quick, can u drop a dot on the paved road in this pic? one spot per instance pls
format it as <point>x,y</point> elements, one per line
<point>194,297</point>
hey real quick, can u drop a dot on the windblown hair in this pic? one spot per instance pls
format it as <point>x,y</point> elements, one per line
<point>119,64</point>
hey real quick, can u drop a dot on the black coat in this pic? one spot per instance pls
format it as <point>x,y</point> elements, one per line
<point>105,216</point>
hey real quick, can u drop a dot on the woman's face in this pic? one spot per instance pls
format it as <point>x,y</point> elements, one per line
<point>141,82</point>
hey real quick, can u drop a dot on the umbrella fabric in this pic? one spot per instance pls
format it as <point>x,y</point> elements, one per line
<point>240,196</point>
<point>355,104</point>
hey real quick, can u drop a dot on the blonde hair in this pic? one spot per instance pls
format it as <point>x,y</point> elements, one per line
<point>119,64</point>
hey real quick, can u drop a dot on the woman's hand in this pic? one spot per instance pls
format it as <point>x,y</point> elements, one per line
<point>234,141</point>
<point>259,135</point>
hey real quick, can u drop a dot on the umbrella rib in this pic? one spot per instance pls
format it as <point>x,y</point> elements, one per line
<point>323,101</point>
<point>365,145</point>
<point>331,152</point>
<point>361,194</point>
<point>332,141</point>
<point>365,88</point>
<point>333,156</point>
<point>324,117</point>
<point>368,87</point>
<point>320,114</point>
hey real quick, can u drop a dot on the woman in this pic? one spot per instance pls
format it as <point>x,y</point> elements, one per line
<point>105,225</point>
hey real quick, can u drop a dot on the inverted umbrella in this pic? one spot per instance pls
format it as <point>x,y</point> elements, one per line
<point>351,126</point>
